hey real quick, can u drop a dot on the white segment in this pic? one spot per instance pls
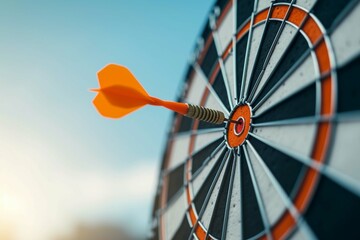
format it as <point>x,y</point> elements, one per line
<point>274,205</point>
<point>225,30</point>
<point>302,76</point>
<point>179,151</point>
<point>200,178</point>
<point>205,220</point>
<point>307,4</point>
<point>346,38</point>
<point>263,4</point>
<point>233,230</point>
<point>283,42</point>
<point>345,152</point>
<point>302,232</point>
<point>254,48</point>
<point>229,68</point>
<point>297,138</point>
<point>298,235</point>
<point>212,102</point>
<point>196,90</point>
<point>204,139</point>
<point>171,215</point>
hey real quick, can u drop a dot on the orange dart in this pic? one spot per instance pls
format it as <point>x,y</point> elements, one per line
<point>120,93</point>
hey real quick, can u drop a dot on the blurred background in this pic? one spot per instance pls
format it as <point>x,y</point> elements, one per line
<point>66,173</point>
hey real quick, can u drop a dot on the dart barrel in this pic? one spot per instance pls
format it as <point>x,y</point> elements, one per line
<point>205,114</point>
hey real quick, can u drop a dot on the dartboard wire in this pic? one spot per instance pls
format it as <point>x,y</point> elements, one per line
<point>258,50</point>
<point>166,172</point>
<point>240,195</point>
<point>196,132</point>
<point>337,21</point>
<point>183,187</point>
<point>338,117</point>
<point>288,47</point>
<point>259,198</point>
<point>217,42</point>
<point>173,199</point>
<point>234,48</point>
<point>289,72</point>
<point>284,99</point>
<point>208,195</point>
<point>270,52</point>
<point>199,71</point>
<point>287,201</point>
<point>247,52</point>
<point>228,197</point>
<point>346,182</point>
<point>207,160</point>
<point>222,185</point>
<point>194,176</point>
<point>344,13</point>
<point>212,154</point>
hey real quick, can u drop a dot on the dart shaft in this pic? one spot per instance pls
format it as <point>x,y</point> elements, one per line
<point>205,114</point>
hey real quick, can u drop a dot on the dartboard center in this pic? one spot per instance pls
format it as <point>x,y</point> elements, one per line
<point>238,129</point>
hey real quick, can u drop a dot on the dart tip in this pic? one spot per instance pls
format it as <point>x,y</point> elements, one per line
<point>94,90</point>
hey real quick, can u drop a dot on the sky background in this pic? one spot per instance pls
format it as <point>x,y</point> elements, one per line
<point>61,163</point>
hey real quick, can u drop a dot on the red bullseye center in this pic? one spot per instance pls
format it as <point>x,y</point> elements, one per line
<point>239,126</point>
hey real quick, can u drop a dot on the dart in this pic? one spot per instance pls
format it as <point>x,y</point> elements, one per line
<point>120,94</point>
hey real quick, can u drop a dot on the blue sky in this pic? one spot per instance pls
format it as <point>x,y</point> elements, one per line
<point>61,162</point>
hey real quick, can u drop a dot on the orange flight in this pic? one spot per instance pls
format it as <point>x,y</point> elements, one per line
<point>120,93</point>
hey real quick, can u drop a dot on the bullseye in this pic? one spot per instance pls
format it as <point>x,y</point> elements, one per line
<point>237,130</point>
<point>239,126</point>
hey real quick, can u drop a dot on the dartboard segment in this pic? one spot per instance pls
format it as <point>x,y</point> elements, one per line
<point>294,65</point>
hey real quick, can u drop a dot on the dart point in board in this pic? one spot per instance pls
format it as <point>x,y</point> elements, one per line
<point>120,94</point>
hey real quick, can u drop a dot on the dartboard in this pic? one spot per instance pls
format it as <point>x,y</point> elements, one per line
<point>287,166</point>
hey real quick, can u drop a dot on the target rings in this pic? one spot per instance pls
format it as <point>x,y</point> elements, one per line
<point>236,133</point>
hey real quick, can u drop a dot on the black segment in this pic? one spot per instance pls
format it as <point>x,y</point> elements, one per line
<point>156,204</point>
<point>252,223</point>
<point>295,50</point>
<point>199,157</point>
<point>188,74</point>
<point>220,89</point>
<point>185,124</point>
<point>285,169</point>
<point>217,218</point>
<point>184,230</point>
<point>267,40</point>
<point>155,233</point>
<point>349,86</point>
<point>301,104</point>
<point>206,125</point>
<point>222,4</point>
<point>206,32</point>
<point>201,195</point>
<point>244,10</point>
<point>209,60</point>
<point>240,58</point>
<point>165,154</point>
<point>326,11</point>
<point>176,181</point>
<point>334,212</point>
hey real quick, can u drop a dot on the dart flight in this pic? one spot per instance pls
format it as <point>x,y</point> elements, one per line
<point>120,93</point>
